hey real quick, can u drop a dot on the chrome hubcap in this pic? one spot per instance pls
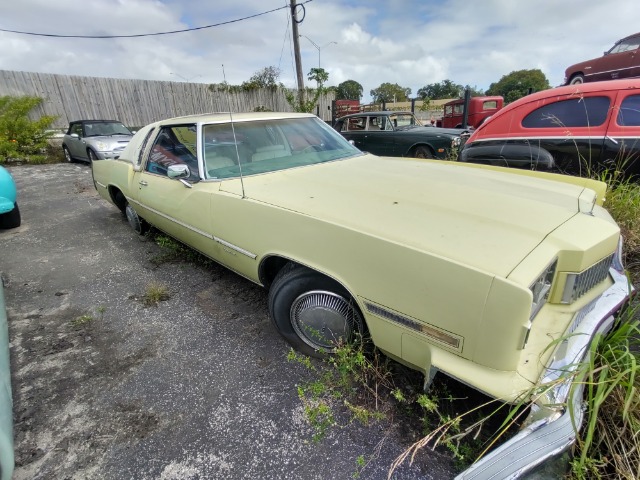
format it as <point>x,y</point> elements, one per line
<point>132,218</point>
<point>323,319</point>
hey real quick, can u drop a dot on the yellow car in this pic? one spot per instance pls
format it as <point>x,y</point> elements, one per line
<point>465,269</point>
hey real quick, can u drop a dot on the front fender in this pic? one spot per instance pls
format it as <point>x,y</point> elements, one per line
<point>510,155</point>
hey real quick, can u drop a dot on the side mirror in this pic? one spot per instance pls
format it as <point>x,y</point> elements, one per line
<point>178,171</point>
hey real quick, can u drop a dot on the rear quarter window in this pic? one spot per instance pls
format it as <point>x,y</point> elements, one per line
<point>574,112</point>
<point>629,113</point>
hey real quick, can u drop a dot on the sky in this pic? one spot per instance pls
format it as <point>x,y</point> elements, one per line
<point>409,42</point>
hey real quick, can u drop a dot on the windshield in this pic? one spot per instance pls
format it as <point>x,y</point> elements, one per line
<point>269,146</point>
<point>105,129</point>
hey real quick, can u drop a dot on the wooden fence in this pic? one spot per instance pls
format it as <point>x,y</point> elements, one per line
<point>136,102</point>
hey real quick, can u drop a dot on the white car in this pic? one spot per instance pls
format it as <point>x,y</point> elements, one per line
<point>89,140</point>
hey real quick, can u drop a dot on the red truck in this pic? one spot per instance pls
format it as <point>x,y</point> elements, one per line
<point>480,108</point>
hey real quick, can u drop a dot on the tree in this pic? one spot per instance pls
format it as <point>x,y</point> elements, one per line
<point>319,75</point>
<point>265,78</point>
<point>20,137</point>
<point>390,92</point>
<point>349,90</point>
<point>438,91</point>
<point>517,84</point>
<point>475,91</point>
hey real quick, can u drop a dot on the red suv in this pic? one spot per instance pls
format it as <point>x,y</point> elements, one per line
<point>621,61</point>
<point>576,129</point>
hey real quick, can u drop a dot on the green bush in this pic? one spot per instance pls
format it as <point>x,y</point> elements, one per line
<point>22,139</point>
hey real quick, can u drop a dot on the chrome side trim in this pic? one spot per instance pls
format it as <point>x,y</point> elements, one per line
<point>174,220</point>
<point>101,184</point>
<point>552,424</point>
<point>435,334</point>
<point>535,139</point>
<point>236,248</point>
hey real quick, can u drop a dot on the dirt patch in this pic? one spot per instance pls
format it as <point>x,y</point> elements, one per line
<point>64,364</point>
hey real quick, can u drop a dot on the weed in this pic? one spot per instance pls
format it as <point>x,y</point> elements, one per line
<point>154,293</point>
<point>81,321</point>
<point>360,464</point>
<point>609,444</point>
<point>174,251</point>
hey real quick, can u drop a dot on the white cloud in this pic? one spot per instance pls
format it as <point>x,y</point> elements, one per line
<point>409,42</point>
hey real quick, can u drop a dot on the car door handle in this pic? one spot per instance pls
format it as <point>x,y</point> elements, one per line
<point>143,183</point>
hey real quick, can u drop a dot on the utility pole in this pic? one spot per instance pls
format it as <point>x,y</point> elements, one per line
<point>296,50</point>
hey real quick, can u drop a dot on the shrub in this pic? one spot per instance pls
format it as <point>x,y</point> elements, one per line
<point>22,138</point>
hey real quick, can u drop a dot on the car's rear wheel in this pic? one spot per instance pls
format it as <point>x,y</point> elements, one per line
<point>576,80</point>
<point>137,223</point>
<point>11,219</point>
<point>67,154</point>
<point>314,313</point>
<point>422,152</point>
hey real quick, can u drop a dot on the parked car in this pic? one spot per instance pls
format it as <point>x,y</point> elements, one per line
<point>480,108</point>
<point>89,140</point>
<point>6,402</point>
<point>572,129</point>
<point>397,134</point>
<point>470,270</point>
<point>9,211</point>
<point>620,61</point>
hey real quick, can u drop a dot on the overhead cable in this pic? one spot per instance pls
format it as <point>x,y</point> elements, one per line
<point>148,34</point>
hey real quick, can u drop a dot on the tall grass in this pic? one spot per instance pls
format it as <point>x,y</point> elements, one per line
<point>609,443</point>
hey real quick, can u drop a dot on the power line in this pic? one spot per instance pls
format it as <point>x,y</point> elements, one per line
<point>148,34</point>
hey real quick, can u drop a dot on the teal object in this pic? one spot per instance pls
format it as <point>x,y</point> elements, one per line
<point>8,191</point>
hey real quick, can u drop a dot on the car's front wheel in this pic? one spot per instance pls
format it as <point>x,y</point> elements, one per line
<point>576,80</point>
<point>92,156</point>
<point>314,313</point>
<point>11,219</point>
<point>67,154</point>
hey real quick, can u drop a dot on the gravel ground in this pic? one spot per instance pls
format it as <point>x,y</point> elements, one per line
<point>195,387</point>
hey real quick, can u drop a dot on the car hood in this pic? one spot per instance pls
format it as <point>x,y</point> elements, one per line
<point>111,140</point>
<point>487,219</point>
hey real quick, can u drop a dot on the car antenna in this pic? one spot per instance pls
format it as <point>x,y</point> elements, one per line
<point>235,140</point>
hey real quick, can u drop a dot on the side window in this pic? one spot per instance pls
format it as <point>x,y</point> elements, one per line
<point>458,109</point>
<point>374,123</point>
<point>174,145</point>
<point>575,112</point>
<point>629,113</point>
<point>357,123</point>
<point>76,128</point>
<point>448,110</point>
<point>490,105</point>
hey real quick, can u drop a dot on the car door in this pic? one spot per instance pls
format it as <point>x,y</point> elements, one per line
<point>571,129</point>
<point>181,208</point>
<point>379,137</point>
<point>353,129</point>
<point>622,142</point>
<point>76,145</point>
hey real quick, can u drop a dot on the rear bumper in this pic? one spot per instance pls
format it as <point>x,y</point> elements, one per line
<point>551,429</point>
